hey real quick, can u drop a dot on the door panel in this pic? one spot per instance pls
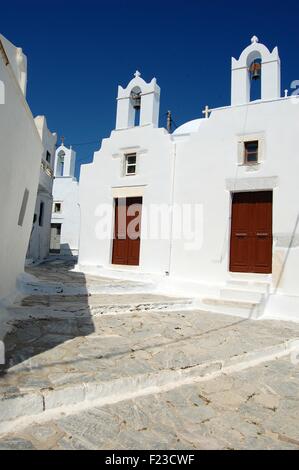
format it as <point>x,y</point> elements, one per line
<point>126,245</point>
<point>120,245</point>
<point>251,232</point>
<point>55,238</point>
<point>240,249</point>
<point>262,232</point>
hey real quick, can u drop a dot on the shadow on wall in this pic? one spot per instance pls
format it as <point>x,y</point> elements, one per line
<point>64,250</point>
<point>279,275</point>
<point>48,319</point>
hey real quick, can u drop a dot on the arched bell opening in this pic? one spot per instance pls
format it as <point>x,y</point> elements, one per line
<point>60,163</point>
<point>135,100</point>
<point>254,64</point>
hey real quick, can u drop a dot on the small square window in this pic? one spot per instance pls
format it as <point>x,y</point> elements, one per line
<point>251,152</point>
<point>57,207</point>
<point>130,162</point>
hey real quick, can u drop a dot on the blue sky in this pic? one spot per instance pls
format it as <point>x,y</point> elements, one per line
<point>79,51</point>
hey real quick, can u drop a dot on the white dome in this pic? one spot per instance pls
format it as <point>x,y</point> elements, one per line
<point>189,127</point>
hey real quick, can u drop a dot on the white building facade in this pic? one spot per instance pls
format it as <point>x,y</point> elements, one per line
<point>229,181</point>
<point>20,157</point>
<point>110,178</point>
<point>65,223</point>
<point>39,243</point>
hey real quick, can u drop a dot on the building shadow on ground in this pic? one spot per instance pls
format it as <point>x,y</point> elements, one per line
<point>44,320</point>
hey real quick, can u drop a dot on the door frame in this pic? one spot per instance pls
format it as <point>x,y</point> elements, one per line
<point>56,224</point>
<point>232,192</point>
<point>113,239</point>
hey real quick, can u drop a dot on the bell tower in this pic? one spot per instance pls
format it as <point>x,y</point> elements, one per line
<point>65,160</point>
<point>138,104</point>
<point>255,62</point>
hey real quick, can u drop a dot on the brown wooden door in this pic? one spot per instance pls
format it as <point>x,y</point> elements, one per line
<point>127,226</point>
<point>251,232</point>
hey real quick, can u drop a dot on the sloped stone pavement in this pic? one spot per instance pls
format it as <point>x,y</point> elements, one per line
<point>254,409</point>
<point>58,341</point>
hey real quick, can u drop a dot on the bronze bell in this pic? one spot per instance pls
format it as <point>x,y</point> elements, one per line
<point>136,97</point>
<point>255,70</point>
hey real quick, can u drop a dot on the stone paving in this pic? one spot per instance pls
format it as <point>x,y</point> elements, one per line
<point>61,340</point>
<point>52,352</point>
<point>254,409</point>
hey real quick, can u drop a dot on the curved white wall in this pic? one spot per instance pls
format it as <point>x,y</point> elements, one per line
<point>20,157</point>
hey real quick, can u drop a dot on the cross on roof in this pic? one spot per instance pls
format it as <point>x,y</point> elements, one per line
<point>254,39</point>
<point>137,74</point>
<point>206,111</point>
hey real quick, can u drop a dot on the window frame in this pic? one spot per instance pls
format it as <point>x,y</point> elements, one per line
<point>41,214</point>
<point>48,157</point>
<point>248,153</point>
<point>130,165</point>
<point>54,206</point>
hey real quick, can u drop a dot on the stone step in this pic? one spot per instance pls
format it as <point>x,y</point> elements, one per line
<point>42,288</point>
<point>251,286</point>
<point>232,307</point>
<point>36,405</point>
<point>39,288</point>
<point>106,309</point>
<point>119,272</point>
<point>60,308</point>
<point>251,277</point>
<point>240,294</point>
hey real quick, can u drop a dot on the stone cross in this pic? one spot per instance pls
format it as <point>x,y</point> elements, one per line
<point>137,74</point>
<point>206,112</point>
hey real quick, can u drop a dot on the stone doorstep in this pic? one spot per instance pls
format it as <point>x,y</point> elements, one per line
<point>31,405</point>
<point>171,305</point>
<point>101,309</point>
<point>59,288</point>
<point>38,287</point>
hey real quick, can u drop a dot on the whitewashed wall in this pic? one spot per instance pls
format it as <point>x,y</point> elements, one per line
<point>101,179</point>
<point>207,172</point>
<point>39,243</point>
<point>20,156</point>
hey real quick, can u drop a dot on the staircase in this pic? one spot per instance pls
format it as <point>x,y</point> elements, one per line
<point>243,296</point>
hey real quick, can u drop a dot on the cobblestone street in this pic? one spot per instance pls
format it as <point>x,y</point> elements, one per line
<point>99,363</point>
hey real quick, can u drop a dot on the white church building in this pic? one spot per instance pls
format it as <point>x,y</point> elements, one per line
<point>224,187</point>
<point>65,223</point>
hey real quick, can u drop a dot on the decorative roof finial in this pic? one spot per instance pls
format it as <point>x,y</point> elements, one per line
<point>137,74</point>
<point>62,140</point>
<point>254,39</point>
